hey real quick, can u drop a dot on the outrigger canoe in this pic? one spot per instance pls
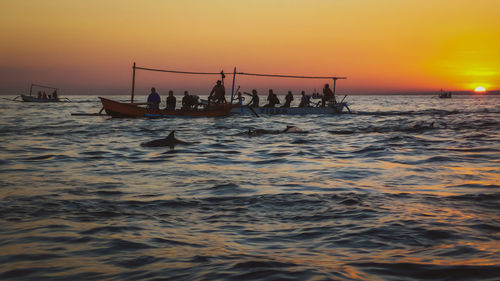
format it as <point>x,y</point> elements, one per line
<point>121,109</point>
<point>333,109</point>
<point>35,99</point>
<point>32,98</point>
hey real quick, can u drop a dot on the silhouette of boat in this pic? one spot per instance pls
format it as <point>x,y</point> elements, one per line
<point>125,109</point>
<point>331,109</point>
<point>31,98</point>
<point>444,95</point>
<point>132,109</point>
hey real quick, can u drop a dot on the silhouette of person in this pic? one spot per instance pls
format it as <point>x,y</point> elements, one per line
<point>171,101</point>
<point>288,99</point>
<point>154,99</point>
<point>218,93</point>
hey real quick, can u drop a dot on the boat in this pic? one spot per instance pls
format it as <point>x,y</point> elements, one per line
<point>133,109</point>
<point>444,95</point>
<point>125,109</point>
<point>331,109</point>
<point>27,98</point>
<point>50,98</point>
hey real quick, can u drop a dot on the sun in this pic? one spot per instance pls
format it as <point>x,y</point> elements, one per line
<point>480,90</point>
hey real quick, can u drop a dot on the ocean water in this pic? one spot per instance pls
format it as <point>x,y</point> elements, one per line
<point>408,188</point>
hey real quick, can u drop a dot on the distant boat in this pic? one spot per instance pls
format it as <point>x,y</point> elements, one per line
<point>126,109</point>
<point>42,98</point>
<point>444,95</point>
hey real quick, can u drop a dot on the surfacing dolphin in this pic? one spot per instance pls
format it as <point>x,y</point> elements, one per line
<point>169,141</point>
<point>289,129</point>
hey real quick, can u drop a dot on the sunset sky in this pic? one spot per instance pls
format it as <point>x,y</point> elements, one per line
<point>380,45</point>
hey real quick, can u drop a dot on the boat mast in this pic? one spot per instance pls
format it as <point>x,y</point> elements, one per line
<point>31,89</point>
<point>133,84</point>
<point>232,89</point>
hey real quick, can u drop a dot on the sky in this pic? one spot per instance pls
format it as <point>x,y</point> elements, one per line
<point>382,46</point>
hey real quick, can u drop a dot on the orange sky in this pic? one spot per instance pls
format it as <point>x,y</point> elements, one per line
<point>381,46</point>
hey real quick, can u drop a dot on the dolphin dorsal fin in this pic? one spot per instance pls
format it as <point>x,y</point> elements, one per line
<point>171,135</point>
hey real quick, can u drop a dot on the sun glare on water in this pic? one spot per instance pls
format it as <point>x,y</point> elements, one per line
<point>480,90</point>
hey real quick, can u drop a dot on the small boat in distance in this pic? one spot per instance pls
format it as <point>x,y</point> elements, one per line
<point>444,95</point>
<point>42,97</point>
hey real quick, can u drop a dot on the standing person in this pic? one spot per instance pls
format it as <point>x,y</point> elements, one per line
<point>171,101</point>
<point>272,99</point>
<point>327,95</point>
<point>218,93</point>
<point>39,94</point>
<point>154,99</point>
<point>304,100</point>
<point>54,95</point>
<point>288,99</point>
<point>254,102</point>
<point>44,95</point>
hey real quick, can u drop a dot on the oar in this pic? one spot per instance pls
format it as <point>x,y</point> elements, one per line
<point>253,111</point>
<point>68,99</point>
<point>343,99</point>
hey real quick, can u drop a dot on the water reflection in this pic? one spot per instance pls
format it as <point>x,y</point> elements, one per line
<point>365,197</point>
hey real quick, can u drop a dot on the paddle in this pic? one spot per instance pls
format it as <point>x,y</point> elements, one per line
<point>253,111</point>
<point>343,99</point>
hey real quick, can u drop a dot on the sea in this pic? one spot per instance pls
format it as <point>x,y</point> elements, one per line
<point>404,188</point>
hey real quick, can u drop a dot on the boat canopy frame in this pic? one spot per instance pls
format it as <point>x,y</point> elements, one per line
<point>223,75</point>
<point>40,86</point>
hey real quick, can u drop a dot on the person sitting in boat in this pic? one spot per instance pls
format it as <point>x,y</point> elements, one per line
<point>171,101</point>
<point>154,99</point>
<point>39,94</point>
<point>195,101</point>
<point>54,95</point>
<point>218,93</point>
<point>288,99</point>
<point>254,102</point>
<point>44,95</point>
<point>240,99</point>
<point>305,100</point>
<point>187,101</point>
<point>272,99</point>
<point>327,95</point>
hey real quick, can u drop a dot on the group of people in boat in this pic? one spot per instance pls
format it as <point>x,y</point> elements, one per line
<point>218,95</point>
<point>44,96</point>
<point>272,98</point>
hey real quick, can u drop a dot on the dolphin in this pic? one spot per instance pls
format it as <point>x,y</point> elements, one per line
<point>170,141</point>
<point>288,130</point>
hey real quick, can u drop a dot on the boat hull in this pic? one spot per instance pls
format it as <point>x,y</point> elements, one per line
<point>338,108</point>
<point>120,109</point>
<point>26,98</point>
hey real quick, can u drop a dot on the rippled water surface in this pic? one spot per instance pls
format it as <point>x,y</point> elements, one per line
<point>405,189</point>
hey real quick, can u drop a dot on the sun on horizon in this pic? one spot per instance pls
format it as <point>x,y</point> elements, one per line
<point>480,89</point>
